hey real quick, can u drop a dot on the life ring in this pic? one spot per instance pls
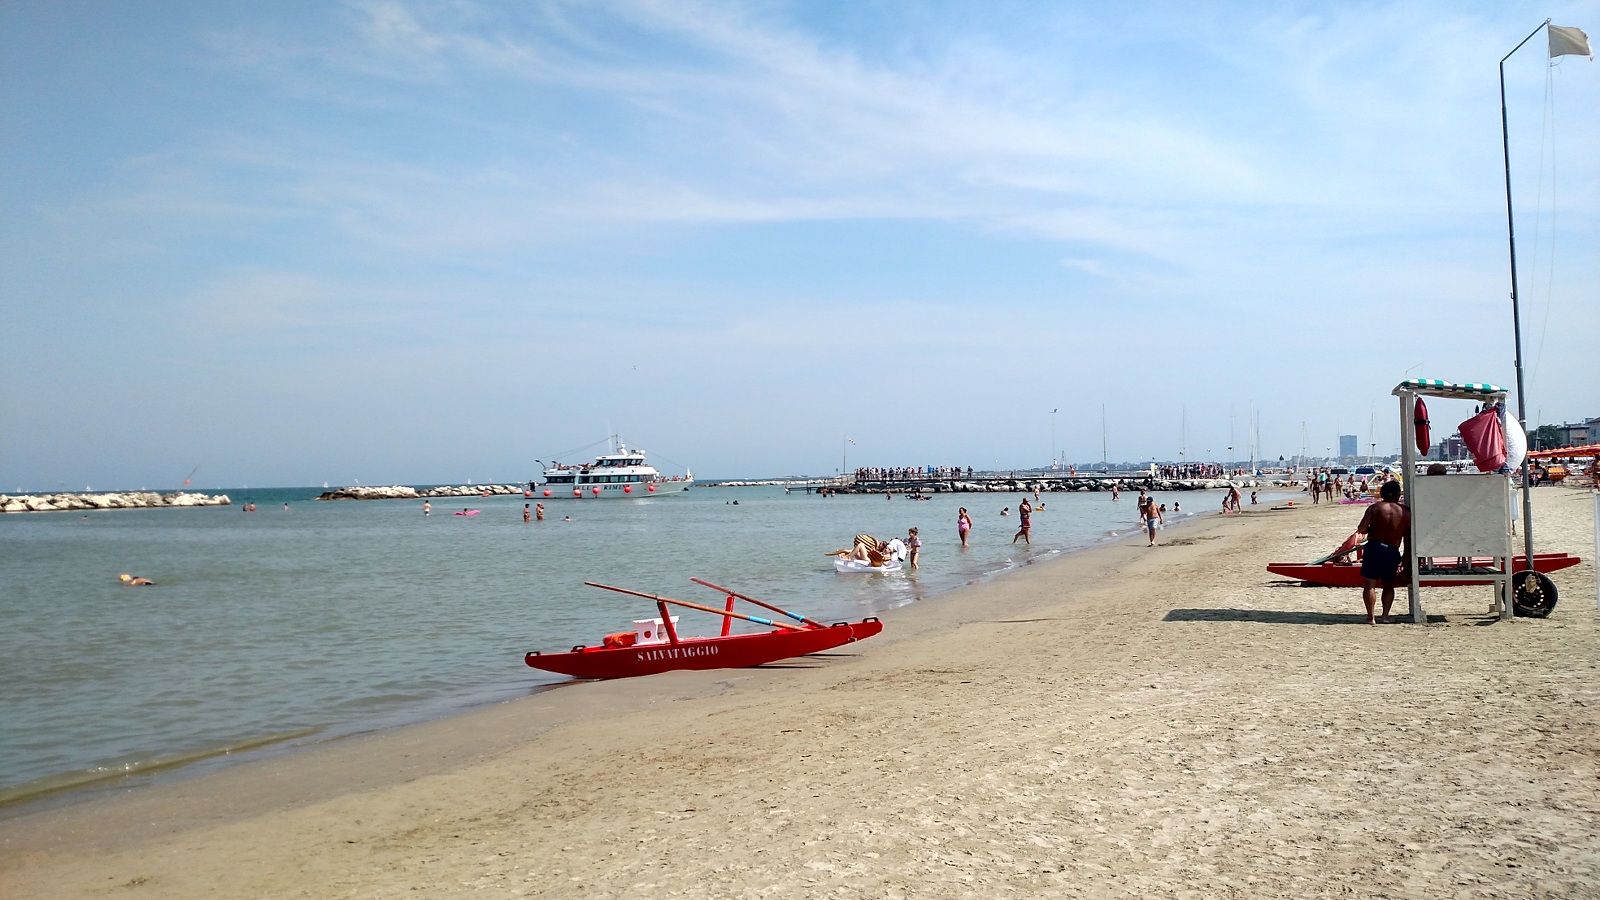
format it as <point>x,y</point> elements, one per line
<point>1421,420</point>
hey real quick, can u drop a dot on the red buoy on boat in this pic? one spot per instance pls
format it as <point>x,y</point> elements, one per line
<point>577,493</point>
<point>627,489</point>
<point>652,488</point>
<point>547,492</point>
<point>596,490</point>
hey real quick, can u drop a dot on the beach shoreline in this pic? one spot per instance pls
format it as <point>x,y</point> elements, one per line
<point>1176,722</point>
<point>71,788</point>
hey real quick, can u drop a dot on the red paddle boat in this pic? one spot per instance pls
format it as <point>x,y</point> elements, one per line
<point>655,646</point>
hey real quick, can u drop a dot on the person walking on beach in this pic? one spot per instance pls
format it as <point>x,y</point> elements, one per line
<point>1387,526</point>
<point>1025,514</point>
<point>1151,514</point>
<point>963,524</point>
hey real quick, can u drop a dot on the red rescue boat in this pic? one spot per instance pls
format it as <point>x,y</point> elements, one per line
<point>655,646</point>
<point>1348,574</point>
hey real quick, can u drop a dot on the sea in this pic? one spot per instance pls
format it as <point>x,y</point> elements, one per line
<point>306,621</point>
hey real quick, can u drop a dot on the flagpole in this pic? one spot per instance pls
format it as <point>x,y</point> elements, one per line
<point>1516,310</point>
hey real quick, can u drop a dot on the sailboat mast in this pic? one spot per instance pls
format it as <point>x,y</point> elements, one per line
<point>1103,463</point>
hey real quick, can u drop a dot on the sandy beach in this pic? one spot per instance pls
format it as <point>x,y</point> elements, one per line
<point>1123,721</point>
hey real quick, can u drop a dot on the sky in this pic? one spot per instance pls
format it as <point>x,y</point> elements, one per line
<point>426,242</point>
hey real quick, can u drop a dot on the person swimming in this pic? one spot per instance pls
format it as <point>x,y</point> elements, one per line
<point>127,579</point>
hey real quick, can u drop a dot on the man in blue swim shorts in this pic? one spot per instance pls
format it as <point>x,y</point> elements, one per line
<point>1387,526</point>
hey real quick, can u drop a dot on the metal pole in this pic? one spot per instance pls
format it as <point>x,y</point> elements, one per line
<point>1516,311</point>
<point>1408,469</point>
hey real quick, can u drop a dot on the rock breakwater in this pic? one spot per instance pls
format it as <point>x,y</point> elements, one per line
<point>402,492</point>
<point>124,500</point>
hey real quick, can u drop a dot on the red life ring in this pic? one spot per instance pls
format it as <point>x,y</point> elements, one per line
<point>1421,421</point>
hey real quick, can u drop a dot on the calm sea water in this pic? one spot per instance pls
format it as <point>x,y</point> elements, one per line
<point>326,618</point>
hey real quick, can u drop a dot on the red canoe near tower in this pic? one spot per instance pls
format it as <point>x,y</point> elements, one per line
<point>1348,574</point>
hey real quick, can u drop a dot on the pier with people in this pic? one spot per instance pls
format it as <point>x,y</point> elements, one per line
<point>937,480</point>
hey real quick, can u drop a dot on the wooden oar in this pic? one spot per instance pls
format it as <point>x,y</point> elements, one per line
<point>761,603</point>
<point>710,609</point>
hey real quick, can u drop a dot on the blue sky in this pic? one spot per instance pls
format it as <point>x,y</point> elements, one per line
<point>424,242</point>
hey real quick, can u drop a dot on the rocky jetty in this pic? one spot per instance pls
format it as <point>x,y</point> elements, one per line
<point>402,492</point>
<point>126,500</point>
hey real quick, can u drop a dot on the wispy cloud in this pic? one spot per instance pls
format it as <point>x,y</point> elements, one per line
<point>756,174</point>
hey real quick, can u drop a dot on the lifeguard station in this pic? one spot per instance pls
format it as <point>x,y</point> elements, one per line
<point>1461,516</point>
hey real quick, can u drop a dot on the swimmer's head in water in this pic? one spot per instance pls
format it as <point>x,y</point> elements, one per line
<point>125,577</point>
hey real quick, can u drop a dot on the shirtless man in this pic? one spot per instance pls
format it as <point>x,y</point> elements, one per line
<point>1025,513</point>
<point>1387,526</point>
<point>1151,514</point>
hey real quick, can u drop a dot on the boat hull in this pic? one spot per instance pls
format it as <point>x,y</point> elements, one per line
<point>731,652</point>
<point>610,491</point>
<point>1349,574</point>
<point>857,566</point>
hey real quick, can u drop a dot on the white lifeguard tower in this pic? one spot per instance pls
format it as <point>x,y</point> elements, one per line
<point>1460,516</point>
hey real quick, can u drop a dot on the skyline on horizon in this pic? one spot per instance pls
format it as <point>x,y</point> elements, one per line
<point>402,242</point>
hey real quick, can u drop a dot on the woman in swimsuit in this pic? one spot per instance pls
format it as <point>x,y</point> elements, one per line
<point>963,524</point>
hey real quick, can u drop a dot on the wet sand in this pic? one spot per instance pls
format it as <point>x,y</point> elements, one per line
<point>1123,721</point>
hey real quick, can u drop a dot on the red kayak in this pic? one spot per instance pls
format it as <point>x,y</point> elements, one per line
<point>1348,574</point>
<point>654,646</point>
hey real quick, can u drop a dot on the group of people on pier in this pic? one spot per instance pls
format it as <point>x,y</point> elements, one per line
<point>1192,470</point>
<point>911,473</point>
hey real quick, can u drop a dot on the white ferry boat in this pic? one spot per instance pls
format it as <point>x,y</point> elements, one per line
<point>622,474</point>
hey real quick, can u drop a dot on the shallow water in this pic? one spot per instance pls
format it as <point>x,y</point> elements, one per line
<point>333,617</point>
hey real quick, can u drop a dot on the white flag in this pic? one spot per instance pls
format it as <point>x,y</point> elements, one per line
<point>1566,41</point>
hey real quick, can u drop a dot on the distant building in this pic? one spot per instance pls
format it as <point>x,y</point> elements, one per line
<point>1347,445</point>
<point>1577,434</point>
<point>1451,448</point>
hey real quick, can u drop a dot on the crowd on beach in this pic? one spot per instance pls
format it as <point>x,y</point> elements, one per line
<point>1331,486</point>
